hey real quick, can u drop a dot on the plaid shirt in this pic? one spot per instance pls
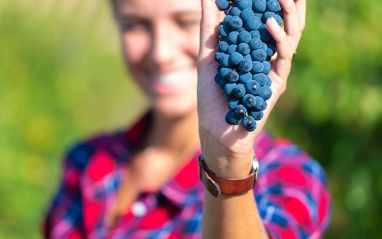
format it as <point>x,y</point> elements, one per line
<point>291,193</point>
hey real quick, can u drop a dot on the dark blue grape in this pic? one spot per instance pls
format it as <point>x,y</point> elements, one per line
<point>259,55</point>
<point>257,67</point>
<point>243,49</point>
<point>223,30</point>
<point>241,29</point>
<point>269,81</point>
<point>248,57</point>
<point>257,115</point>
<point>271,49</point>
<point>235,11</point>
<point>231,76</point>
<point>259,15</point>
<point>226,19</point>
<point>235,23</point>
<point>264,46</point>
<point>245,77</point>
<point>264,34</point>
<point>239,91</point>
<point>219,68</point>
<point>222,46</point>
<point>232,104</point>
<point>246,13</point>
<point>261,78</point>
<point>278,19</point>
<point>232,37</point>
<point>218,56</point>
<point>249,123</point>
<point>233,119</point>
<point>228,88</point>
<point>240,111</point>
<point>259,6</point>
<point>217,78</point>
<point>222,4</point>
<point>265,92</point>
<point>244,37</point>
<point>260,104</point>
<point>224,61</point>
<point>228,118</point>
<point>268,15</point>
<point>252,87</point>
<point>231,49</point>
<point>273,5</point>
<point>249,101</point>
<point>245,65</point>
<point>229,97</point>
<point>267,67</point>
<point>243,4</point>
<point>235,58</point>
<point>223,71</point>
<point>218,72</point>
<point>255,43</point>
<point>253,23</point>
<point>222,83</point>
<point>255,34</point>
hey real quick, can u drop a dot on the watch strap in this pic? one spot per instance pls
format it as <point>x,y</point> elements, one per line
<point>218,185</point>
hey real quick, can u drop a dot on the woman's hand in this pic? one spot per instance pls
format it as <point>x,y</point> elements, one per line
<point>227,149</point>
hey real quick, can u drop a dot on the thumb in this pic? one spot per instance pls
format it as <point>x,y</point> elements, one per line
<point>208,29</point>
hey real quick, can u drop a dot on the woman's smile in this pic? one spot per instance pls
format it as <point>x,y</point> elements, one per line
<point>173,82</point>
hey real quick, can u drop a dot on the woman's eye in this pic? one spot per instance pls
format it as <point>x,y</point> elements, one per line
<point>134,26</point>
<point>188,23</point>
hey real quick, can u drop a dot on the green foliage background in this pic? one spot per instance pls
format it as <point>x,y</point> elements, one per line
<point>62,78</point>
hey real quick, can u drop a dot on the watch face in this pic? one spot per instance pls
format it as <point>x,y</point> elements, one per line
<point>255,165</point>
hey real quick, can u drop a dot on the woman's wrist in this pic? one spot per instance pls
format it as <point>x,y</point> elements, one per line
<point>229,165</point>
<point>226,155</point>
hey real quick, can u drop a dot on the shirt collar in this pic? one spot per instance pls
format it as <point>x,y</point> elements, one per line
<point>184,188</point>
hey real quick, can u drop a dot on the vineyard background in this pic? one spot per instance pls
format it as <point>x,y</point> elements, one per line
<point>62,78</point>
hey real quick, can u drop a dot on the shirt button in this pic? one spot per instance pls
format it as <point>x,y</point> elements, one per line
<point>138,209</point>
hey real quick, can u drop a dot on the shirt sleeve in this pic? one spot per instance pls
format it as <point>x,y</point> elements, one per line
<point>64,218</point>
<point>292,193</point>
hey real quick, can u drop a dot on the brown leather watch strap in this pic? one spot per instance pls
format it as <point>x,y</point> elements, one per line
<point>217,185</point>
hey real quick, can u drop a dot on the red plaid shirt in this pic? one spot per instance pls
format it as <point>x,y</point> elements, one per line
<point>291,194</point>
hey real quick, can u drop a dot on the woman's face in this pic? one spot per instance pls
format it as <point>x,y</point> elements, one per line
<point>160,41</point>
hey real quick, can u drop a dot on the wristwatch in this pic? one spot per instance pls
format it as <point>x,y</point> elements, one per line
<point>218,185</point>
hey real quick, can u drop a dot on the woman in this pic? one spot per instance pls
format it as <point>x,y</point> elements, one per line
<point>144,182</point>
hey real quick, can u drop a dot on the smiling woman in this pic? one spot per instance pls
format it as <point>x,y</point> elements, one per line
<point>143,182</point>
<point>162,63</point>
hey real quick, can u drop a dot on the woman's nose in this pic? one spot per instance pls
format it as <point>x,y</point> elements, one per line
<point>164,46</point>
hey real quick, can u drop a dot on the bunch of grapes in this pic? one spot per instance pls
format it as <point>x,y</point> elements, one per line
<point>243,52</point>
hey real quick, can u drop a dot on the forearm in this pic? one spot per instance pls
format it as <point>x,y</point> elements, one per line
<point>231,217</point>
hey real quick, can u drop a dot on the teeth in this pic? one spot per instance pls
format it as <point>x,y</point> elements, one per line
<point>174,77</point>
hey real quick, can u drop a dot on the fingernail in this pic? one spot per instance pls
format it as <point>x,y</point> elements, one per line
<point>273,21</point>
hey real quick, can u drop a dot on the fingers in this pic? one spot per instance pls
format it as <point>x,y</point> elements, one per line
<point>208,28</point>
<point>301,12</point>
<point>291,22</point>
<point>288,40</point>
<point>285,53</point>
